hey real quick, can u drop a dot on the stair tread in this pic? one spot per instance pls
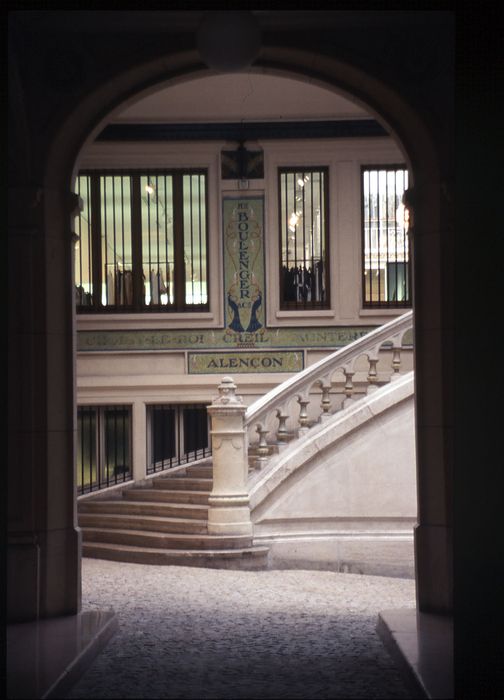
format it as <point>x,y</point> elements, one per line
<point>170,535</point>
<point>148,518</point>
<point>189,553</point>
<point>145,503</point>
<point>164,496</point>
<point>188,513</point>
<point>183,484</point>
<point>183,477</point>
<point>178,491</point>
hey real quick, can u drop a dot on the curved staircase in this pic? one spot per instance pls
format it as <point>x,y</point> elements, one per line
<point>165,522</point>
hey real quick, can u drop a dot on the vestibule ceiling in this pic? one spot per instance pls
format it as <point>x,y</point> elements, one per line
<point>236,97</point>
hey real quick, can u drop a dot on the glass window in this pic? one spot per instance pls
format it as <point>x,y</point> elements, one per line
<point>83,251</point>
<point>142,241</point>
<point>195,239</point>
<point>158,250</point>
<point>386,255</point>
<point>103,446</point>
<point>304,238</point>
<point>116,241</point>
<point>177,434</point>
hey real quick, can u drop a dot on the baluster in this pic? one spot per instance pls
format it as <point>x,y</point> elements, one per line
<point>303,415</point>
<point>325,404</point>
<point>372,374</point>
<point>349,388</point>
<point>262,448</point>
<point>282,434</point>
<point>396,361</point>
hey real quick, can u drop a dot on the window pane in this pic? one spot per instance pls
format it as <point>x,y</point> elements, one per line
<point>303,228</point>
<point>158,257</point>
<point>195,239</point>
<point>117,443</point>
<point>177,434</point>
<point>116,240</point>
<point>386,263</point>
<point>153,251</point>
<point>83,248</point>
<point>103,446</point>
<point>87,473</point>
<point>164,444</point>
<point>195,429</point>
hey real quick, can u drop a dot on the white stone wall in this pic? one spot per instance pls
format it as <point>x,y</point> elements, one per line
<point>347,499</point>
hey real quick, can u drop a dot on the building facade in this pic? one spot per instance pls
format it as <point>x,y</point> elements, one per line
<point>224,246</point>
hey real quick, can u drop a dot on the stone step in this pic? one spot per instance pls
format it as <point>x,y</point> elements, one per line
<point>250,558</point>
<point>162,540</point>
<point>148,508</point>
<point>142,522</point>
<point>182,483</point>
<point>200,471</point>
<point>167,496</point>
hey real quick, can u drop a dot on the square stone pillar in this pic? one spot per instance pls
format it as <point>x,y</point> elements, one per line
<point>229,512</point>
<point>43,541</point>
<point>432,238</point>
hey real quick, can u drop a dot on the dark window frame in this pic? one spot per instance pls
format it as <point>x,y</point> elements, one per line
<point>369,300</point>
<point>289,304</point>
<point>104,446</point>
<point>177,433</point>
<point>93,302</point>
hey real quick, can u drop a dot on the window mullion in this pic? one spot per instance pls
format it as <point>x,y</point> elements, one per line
<point>96,241</point>
<point>178,235</point>
<point>325,237</point>
<point>136,243</point>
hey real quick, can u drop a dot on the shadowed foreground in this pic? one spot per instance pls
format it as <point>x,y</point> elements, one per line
<point>203,633</point>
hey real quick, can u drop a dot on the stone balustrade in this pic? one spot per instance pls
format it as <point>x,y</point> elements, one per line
<point>329,385</point>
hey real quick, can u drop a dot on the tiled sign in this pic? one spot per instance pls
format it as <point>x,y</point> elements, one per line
<point>248,362</point>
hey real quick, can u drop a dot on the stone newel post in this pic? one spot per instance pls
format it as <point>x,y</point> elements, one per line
<point>229,511</point>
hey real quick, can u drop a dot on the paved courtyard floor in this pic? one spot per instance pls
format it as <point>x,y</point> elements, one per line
<point>202,633</point>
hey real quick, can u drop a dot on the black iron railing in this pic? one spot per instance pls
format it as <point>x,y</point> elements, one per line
<point>177,434</point>
<point>103,447</point>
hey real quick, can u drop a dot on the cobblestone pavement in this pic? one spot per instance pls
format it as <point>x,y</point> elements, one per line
<point>202,633</point>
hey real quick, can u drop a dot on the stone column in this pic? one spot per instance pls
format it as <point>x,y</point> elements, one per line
<point>229,512</point>
<point>43,543</point>
<point>432,239</point>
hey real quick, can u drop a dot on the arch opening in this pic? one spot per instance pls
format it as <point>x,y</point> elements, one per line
<point>146,105</point>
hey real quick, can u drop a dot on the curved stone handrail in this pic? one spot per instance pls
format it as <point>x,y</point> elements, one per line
<point>320,375</point>
<point>262,485</point>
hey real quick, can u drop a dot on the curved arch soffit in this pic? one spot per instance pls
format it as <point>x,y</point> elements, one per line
<point>95,111</point>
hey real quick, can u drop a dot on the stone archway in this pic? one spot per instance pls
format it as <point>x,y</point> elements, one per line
<point>53,541</point>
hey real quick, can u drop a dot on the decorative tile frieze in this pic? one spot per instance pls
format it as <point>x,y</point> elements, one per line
<point>281,338</point>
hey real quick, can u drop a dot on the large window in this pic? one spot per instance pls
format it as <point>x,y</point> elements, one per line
<point>178,434</point>
<point>103,446</point>
<point>304,238</point>
<point>386,273</point>
<point>142,241</point>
